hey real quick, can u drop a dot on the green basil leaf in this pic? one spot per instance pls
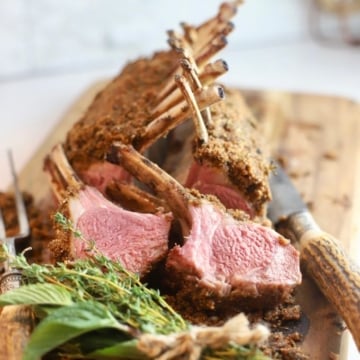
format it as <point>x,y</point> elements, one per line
<point>37,294</point>
<point>125,349</point>
<point>67,323</point>
<point>98,339</point>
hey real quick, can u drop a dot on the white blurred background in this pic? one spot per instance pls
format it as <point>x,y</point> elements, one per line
<point>41,37</point>
<point>45,36</point>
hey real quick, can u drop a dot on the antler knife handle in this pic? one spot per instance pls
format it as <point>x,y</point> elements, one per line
<point>336,275</point>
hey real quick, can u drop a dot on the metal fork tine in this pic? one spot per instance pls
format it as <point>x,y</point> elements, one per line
<point>24,228</point>
<point>2,227</point>
<point>16,321</point>
<point>11,278</point>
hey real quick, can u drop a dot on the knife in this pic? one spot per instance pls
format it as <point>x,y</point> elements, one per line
<point>321,254</point>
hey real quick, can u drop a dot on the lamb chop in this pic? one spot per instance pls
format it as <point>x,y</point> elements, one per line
<point>137,240</point>
<point>143,102</point>
<point>224,259</point>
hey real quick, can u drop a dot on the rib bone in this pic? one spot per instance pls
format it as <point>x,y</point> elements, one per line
<point>226,12</point>
<point>61,175</point>
<point>202,42</point>
<point>209,51</point>
<point>223,29</point>
<point>201,132</point>
<point>200,59</point>
<point>191,74</point>
<point>210,73</point>
<point>132,198</point>
<point>176,115</point>
<point>156,178</point>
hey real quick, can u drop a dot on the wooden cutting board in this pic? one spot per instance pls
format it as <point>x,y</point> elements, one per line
<point>317,137</point>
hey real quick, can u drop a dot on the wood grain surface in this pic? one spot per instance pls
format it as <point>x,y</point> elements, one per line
<point>16,325</point>
<point>317,139</point>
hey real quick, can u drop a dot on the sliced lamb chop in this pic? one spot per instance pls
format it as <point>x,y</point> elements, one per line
<point>131,110</point>
<point>222,259</point>
<point>137,240</point>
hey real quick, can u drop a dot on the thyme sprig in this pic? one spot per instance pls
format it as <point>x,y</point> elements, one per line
<point>98,278</point>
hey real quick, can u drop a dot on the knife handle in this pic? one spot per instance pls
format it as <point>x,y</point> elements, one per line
<point>16,325</point>
<point>336,275</point>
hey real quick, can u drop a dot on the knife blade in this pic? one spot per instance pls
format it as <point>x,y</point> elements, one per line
<point>321,254</point>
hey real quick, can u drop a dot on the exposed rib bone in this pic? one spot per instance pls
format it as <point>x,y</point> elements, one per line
<point>206,31</point>
<point>210,73</point>
<point>171,92</point>
<point>186,52</point>
<point>226,12</point>
<point>202,42</point>
<point>61,175</point>
<point>190,33</point>
<point>223,29</point>
<point>63,178</point>
<point>199,36</point>
<point>209,51</point>
<point>191,74</point>
<point>170,101</point>
<point>201,60</point>
<point>156,178</point>
<point>200,128</point>
<point>177,41</point>
<point>132,198</point>
<point>180,112</point>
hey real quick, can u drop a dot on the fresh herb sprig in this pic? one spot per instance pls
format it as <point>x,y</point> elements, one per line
<point>100,279</point>
<point>94,308</point>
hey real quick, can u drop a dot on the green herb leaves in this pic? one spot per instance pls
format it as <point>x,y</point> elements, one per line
<point>66,224</point>
<point>67,323</point>
<point>77,298</point>
<point>37,294</point>
<point>100,279</point>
